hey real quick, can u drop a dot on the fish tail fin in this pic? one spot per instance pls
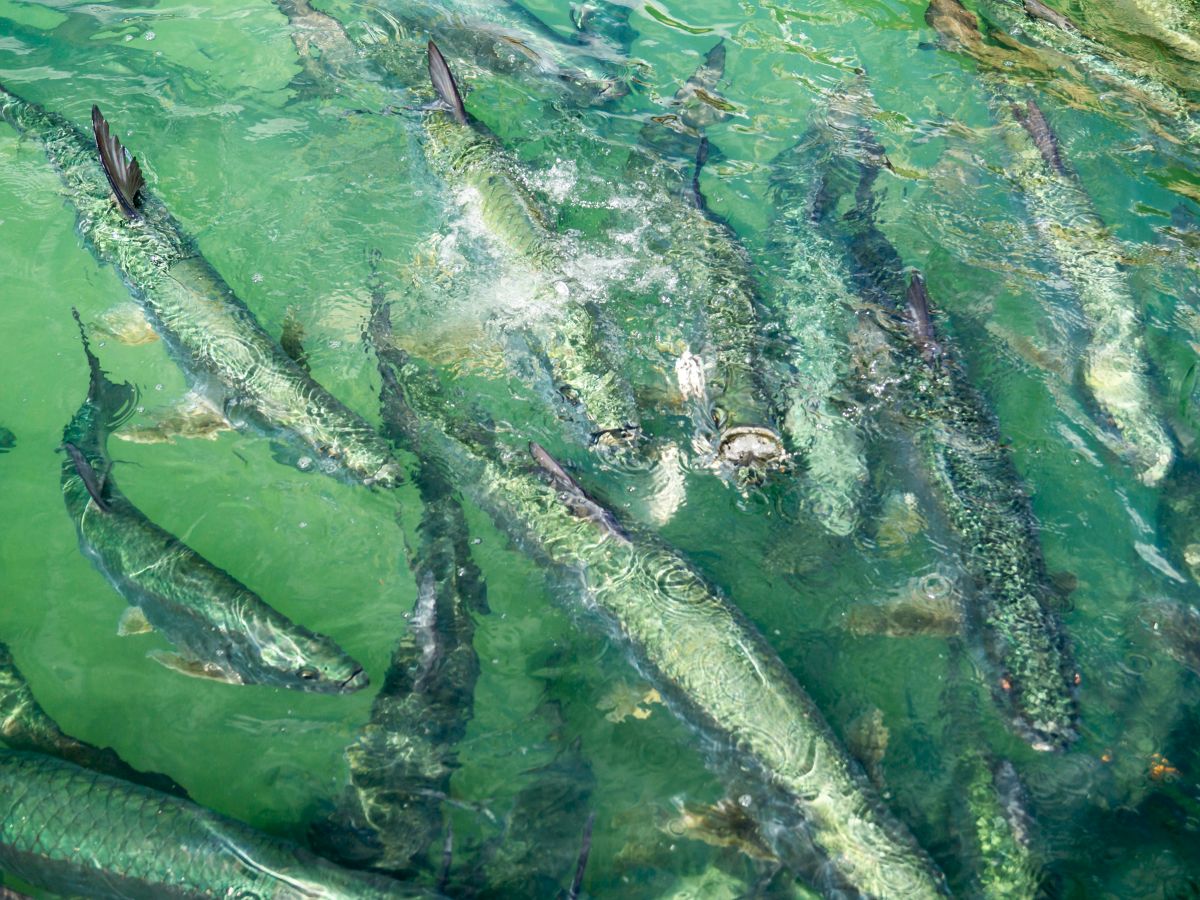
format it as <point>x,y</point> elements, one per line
<point>118,400</point>
<point>444,84</point>
<point>120,167</point>
<point>714,61</point>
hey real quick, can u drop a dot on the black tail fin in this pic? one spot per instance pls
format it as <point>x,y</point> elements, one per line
<point>443,83</point>
<point>122,170</point>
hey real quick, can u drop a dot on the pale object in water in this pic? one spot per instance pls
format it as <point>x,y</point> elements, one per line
<point>623,701</point>
<point>126,324</point>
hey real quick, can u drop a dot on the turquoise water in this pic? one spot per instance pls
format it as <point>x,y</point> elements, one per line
<point>286,192</point>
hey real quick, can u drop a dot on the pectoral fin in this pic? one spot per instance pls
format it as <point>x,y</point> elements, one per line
<point>195,668</point>
<point>133,621</point>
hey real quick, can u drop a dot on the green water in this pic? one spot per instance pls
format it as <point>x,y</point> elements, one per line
<point>286,194</point>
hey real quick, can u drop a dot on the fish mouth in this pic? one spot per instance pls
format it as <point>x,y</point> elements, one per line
<point>356,682</point>
<point>750,445</point>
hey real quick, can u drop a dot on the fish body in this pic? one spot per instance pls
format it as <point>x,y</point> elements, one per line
<point>702,648</point>
<point>1049,30</point>
<point>402,760</point>
<point>813,297</point>
<point>81,833</point>
<point>736,413</point>
<point>213,335</point>
<point>222,629</point>
<point>24,725</point>
<point>8,440</point>
<point>976,486</point>
<point>1114,367</point>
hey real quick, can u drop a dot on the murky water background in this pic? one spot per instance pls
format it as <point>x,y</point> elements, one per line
<point>287,194</point>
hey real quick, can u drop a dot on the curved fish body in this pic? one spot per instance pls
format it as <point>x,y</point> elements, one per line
<point>1051,31</point>
<point>813,297</point>
<point>221,628</point>
<point>704,651</point>
<point>24,725</point>
<point>1114,367</point>
<point>975,483</point>
<point>213,335</point>
<point>80,833</point>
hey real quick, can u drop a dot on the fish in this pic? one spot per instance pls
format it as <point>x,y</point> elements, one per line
<point>402,759</point>
<point>1176,625</point>
<point>24,725</point>
<point>577,341</point>
<point>991,818</point>
<point>1115,370</point>
<point>704,653</point>
<point>976,486</point>
<point>80,833</point>
<point>8,440</point>
<point>221,629</point>
<point>734,411</point>
<point>811,294</point>
<point>214,337</point>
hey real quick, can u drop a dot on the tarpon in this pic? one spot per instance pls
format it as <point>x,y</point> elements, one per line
<point>213,335</point>
<point>575,340</point>
<point>24,725</point>
<point>1114,367</point>
<point>706,654</point>
<point>731,396</point>
<point>220,628</point>
<point>974,482</point>
<point>81,833</point>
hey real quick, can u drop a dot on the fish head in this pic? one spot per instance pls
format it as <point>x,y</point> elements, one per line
<point>298,659</point>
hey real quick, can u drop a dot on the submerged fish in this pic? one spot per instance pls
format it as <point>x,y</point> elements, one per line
<point>705,653</point>
<point>24,725</point>
<point>976,485</point>
<point>215,338</point>
<point>80,833</point>
<point>221,628</point>
<point>1114,367</point>
<point>402,760</point>
<point>8,440</point>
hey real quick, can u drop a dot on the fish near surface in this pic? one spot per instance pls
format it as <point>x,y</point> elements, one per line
<point>1115,370</point>
<point>725,675</point>
<point>81,833</point>
<point>977,487</point>
<point>215,338</point>
<point>222,629</point>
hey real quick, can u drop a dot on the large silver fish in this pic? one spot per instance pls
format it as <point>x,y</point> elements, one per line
<point>706,654</point>
<point>1114,368</point>
<point>221,628</point>
<point>213,335</point>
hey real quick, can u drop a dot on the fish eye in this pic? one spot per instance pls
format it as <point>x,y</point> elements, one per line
<point>309,673</point>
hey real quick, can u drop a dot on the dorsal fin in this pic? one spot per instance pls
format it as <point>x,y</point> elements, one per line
<point>1033,120</point>
<point>443,83</point>
<point>122,170</point>
<point>918,311</point>
<point>88,475</point>
<point>696,195</point>
<point>574,496</point>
